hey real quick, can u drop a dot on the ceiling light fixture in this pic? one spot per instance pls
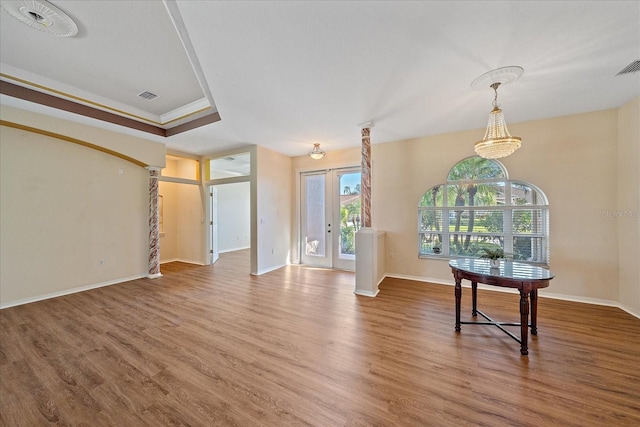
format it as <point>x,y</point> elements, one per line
<point>41,15</point>
<point>316,153</point>
<point>497,141</point>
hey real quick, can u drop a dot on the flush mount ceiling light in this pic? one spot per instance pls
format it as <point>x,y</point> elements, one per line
<point>497,141</point>
<point>42,16</point>
<point>316,153</point>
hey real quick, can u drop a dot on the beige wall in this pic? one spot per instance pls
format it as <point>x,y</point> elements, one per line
<point>181,168</point>
<point>191,223</point>
<point>575,160</point>
<point>169,232</point>
<point>273,209</point>
<point>627,215</point>
<point>143,150</point>
<point>572,159</point>
<point>183,235</point>
<point>65,207</point>
<point>333,160</point>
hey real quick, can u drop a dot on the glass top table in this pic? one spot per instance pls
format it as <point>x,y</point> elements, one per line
<point>526,278</point>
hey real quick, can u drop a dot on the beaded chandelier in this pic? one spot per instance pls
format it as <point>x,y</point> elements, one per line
<point>497,141</point>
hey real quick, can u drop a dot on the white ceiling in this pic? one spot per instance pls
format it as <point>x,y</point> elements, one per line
<point>288,74</point>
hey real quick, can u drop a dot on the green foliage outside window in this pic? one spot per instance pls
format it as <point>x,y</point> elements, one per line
<point>480,209</point>
<point>349,222</point>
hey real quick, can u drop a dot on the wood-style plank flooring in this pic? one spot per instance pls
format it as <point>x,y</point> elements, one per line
<point>214,346</point>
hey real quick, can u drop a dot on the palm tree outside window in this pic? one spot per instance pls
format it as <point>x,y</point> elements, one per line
<point>479,207</point>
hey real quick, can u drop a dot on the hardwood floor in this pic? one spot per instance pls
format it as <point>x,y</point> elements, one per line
<point>208,346</point>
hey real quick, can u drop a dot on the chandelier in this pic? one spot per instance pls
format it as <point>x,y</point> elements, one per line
<point>497,141</point>
<point>316,153</point>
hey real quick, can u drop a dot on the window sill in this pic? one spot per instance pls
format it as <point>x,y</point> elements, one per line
<point>450,257</point>
<point>434,256</point>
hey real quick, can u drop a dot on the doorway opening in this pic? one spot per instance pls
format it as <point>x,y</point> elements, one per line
<point>230,218</point>
<point>330,216</point>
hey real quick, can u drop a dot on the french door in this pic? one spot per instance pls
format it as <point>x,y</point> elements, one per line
<point>330,216</point>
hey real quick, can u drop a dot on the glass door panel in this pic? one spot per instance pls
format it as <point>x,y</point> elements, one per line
<point>330,197</point>
<point>315,228</point>
<point>347,210</point>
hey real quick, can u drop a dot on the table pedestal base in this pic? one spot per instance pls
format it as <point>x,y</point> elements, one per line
<point>524,314</point>
<point>526,278</point>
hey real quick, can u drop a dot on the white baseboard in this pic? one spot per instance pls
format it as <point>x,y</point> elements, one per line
<point>190,261</point>
<point>234,249</point>
<point>366,293</point>
<point>267,270</point>
<point>69,291</point>
<point>629,310</point>
<point>187,261</point>
<point>594,301</point>
<point>572,298</point>
<point>418,279</point>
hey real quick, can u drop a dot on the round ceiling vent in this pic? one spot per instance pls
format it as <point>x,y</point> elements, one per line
<point>41,15</point>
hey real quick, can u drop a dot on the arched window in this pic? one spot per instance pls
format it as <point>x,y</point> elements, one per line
<point>479,207</point>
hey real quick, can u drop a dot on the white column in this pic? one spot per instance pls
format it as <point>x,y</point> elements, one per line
<point>370,252</point>
<point>154,224</point>
<point>370,261</point>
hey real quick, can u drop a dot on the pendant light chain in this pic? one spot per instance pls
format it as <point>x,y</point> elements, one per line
<point>495,97</point>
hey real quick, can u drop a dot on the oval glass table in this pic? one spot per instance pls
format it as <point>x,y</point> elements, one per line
<point>526,278</point>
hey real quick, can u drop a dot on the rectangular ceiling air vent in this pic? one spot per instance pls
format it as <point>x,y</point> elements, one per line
<point>631,68</point>
<point>147,95</point>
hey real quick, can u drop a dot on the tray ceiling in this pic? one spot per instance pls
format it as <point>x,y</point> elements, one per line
<point>286,75</point>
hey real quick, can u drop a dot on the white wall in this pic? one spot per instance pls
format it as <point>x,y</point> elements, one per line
<point>234,203</point>
<point>273,210</point>
<point>64,208</point>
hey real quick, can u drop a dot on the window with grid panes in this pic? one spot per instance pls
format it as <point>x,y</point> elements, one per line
<point>479,207</point>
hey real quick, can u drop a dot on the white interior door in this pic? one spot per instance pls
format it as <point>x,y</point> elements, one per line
<point>214,252</point>
<point>330,215</point>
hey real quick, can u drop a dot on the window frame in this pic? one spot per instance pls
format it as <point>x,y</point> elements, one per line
<point>508,208</point>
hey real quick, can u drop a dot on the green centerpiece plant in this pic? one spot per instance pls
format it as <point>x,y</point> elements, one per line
<point>494,255</point>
